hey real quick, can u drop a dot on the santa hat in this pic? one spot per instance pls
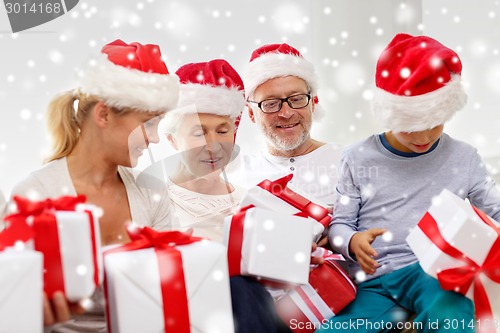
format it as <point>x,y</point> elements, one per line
<point>212,87</point>
<point>131,76</point>
<point>207,87</point>
<point>277,60</point>
<point>418,84</point>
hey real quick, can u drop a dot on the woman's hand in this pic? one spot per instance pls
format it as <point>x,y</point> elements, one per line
<point>58,309</point>
<point>360,246</point>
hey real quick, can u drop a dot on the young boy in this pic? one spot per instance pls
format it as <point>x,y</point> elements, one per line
<point>387,183</point>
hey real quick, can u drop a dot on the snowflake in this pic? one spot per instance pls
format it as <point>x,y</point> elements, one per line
<point>338,241</point>
<point>344,200</point>
<point>218,275</point>
<point>360,276</point>
<point>387,236</point>
<point>25,114</point>
<point>81,270</point>
<point>56,57</point>
<point>405,73</point>
<point>367,96</point>
<point>269,225</point>
<point>300,257</point>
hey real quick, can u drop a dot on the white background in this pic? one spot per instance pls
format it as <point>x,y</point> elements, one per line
<point>343,38</point>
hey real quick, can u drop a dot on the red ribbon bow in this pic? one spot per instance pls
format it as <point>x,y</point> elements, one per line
<point>173,287</point>
<point>461,278</point>
<point>66,203</point>
<point>279,189</point>
<point>18,231</point>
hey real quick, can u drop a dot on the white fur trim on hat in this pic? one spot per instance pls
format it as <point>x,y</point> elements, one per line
<point>272,65</point>
<point>218,100</point>
<point>422,112</point>
<point>123,87</point>
<point>197,98</point>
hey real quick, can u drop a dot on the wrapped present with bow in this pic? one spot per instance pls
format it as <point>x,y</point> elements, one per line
<point>305,308</point>
<point>276,196</point>
<point>66,231</point>
<point>21,280</point>
<point>460,246</point>
<point>268,245</point>
<point>167,282</point>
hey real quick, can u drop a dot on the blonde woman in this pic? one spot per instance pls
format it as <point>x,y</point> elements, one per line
<point>99,131</point>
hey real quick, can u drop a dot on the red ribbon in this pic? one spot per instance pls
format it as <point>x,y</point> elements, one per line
<point>17,231</point>
<point>173,287</point>
<point>310,304</point>
<point>279,189</point>
<point>235,242</point>
<point>461,278</point>
<point>45,234</point>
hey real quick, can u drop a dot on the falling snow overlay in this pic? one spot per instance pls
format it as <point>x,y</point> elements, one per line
<point>42,61</point>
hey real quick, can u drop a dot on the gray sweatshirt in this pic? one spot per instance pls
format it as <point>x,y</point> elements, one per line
<point>378,188</point>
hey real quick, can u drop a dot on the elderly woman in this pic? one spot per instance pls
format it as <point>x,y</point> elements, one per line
<point>202,129</point>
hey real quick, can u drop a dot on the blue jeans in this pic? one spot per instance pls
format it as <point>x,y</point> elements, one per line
<point>385,303</point>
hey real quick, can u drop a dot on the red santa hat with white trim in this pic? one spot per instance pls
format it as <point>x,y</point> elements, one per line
<point>130,76</point>
<point>418,83</point>
<point>212,87</point>
<point>279,60</point>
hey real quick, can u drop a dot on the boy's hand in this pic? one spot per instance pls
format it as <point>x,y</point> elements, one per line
<point>360,246</point>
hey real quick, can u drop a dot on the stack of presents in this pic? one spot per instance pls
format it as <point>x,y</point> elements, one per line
<point>173,282</point>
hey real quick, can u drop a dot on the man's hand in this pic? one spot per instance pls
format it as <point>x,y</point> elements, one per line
<point>58,309</point>
<point>316,260</point>
<point>360,246</point>
<point>323,242</point>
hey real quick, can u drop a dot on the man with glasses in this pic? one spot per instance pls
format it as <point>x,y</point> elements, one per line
<point>281,92</point>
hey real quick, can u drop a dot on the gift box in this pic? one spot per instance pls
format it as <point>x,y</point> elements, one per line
<point>21,281</point>
<point>276,196</point>
<point>167,282</point>
<point>66,232</point>
<point>268,245</point>
<point>460,246</point>
<point>308,306</point>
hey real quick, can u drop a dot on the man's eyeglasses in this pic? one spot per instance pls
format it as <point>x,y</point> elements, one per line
<point>273,105</point>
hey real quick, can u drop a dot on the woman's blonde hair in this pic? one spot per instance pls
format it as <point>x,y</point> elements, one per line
<point>65,116</point>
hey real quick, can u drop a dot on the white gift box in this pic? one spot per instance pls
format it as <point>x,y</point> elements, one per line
<point>273,245</point>
<point>78,250</point>
<point>21,291</point>
<point>66,231</point>
<point>134,295</point>
<point>77,246</point>
<point>463,229</point>
<point>261,198</point>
